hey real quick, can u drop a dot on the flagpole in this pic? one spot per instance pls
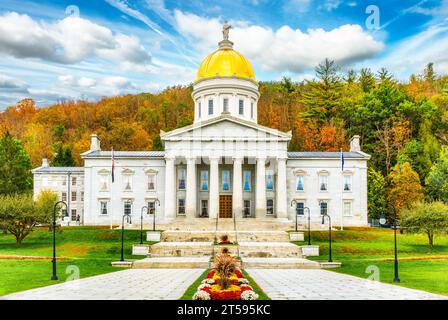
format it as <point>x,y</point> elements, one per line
<point>111,187</point>
<point>342,191</point>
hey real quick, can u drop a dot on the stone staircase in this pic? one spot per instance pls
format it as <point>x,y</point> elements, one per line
<point>256,248</point>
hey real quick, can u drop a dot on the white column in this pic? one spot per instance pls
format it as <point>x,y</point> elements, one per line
<point>170,190</point>
<point>281,188</point>
<point>260,188</point>
<point>214,188</point>
<point>191,188</point>
<point>237,198</point>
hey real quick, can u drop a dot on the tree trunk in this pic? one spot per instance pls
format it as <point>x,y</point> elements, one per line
<point>431,238</point>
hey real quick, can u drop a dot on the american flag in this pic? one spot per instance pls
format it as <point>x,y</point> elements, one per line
<point>342,161</point>
<point>113,166</point>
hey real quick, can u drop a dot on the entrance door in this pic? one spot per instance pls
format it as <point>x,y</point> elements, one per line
<point>225,206</point>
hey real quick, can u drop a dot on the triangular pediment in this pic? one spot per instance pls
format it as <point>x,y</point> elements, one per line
<point>225,127</point>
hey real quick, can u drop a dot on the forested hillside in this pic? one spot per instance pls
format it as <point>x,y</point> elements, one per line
<point>399,123</point>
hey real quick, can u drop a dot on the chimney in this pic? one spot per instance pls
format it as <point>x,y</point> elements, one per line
<point>95,144</point>
<point>45,163</point>
<point>354,144</point>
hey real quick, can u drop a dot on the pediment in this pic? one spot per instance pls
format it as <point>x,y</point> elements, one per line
<point>225,128</point>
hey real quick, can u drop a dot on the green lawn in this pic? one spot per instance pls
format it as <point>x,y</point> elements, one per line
<point>89,249</point>
<point>364,250</point>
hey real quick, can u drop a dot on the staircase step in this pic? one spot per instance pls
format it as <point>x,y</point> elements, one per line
<point>181,249</point>
<point>279,263</point>
<point>173,263</point>
<point>269,249</point>
<point>242,235</point>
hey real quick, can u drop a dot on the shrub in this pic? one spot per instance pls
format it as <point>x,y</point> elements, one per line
<point>225,266</point>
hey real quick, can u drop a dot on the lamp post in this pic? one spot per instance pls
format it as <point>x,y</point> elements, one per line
<point>156,201</point>
<point>396,278</point>
<point>309,225</point>
<point>53,261</point>
<point>141,223</point>
<point>128,220</point>
<point>330,259</point>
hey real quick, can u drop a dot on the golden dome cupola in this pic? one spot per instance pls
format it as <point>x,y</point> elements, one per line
<point>225,84</point>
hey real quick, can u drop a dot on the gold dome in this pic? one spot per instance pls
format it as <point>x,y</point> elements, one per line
<point>225,62</point>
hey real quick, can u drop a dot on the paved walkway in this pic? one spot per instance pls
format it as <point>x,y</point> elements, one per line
<point>302,284</point>
<point>131,284</point>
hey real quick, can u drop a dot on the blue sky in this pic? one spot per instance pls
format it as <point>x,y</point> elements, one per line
<point>56,50</point>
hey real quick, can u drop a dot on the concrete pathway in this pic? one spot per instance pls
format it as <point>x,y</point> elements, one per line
<point>131,284</point>
<point>302,284</point>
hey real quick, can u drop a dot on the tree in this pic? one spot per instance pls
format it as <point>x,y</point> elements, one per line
<point>19,214</point>
<point>63,156</point>
<point>367,80</point>
<point>45,206</point>
<point>405,189</point>
<point>429,74</point>
<point>428,218</point>
<point>376,193</point>
<point>15,166</point>
<point>437,180</point>
<point>157,143</point>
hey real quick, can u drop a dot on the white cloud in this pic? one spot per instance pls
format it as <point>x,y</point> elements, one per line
<point>331,5</point>
<point>67,41</point>
<point>284,49</point>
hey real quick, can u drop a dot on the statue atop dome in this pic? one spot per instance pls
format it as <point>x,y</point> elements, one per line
<point>225,30</point>
<point>226,43</point>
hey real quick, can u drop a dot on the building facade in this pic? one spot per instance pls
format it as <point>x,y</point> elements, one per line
<point>225,165</point>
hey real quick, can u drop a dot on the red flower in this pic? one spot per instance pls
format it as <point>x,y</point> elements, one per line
<point>210,274</point>
<point>239,274</point>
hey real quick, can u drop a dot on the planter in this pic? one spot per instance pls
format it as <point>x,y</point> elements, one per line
<point>153,236</point>
<point>310,251</point>
<point>296,236</point>
<point>140,249</point>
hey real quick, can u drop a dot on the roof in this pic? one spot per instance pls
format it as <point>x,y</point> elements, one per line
<point>59,170</point>
<point>124,154</point>
<point>327,155</point>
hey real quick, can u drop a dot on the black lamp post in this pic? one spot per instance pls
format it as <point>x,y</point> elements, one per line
<point>396,278</point>
<point>156,201</point>
<point>128,220</point>
<point>330,259</point>
<point>53,261</point>
<point>141,223</point>
<point>309,224</point>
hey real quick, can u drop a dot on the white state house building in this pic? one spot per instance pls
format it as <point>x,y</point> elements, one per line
<point>223,166</point>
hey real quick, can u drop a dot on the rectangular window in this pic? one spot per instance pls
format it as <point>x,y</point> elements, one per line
<point>269,180</point>
<point>270,207</point>
<point>181,207</point>
<point>82,195</point>
<point>299,184</point>
<point>323,208</point>
<point>64,181</point>
<point>241,107</point>
<point>252,110</point>
<point>73,181</point>
<point>199,109</point>
<point>127,183</point>
<point>74,215</point>
<point>225,105</point>
<point>181,179</point>
<point>210,107</point>
<point>103,207</point>
<point>103,182</point>
<point>347,183</point>
<point>348,208</point>
<point>204,208</point>
<point>300,208</point>
<point>247,208</point>
<point>323,183</point>
<point>151,207</point>
<point>247,183</point>
<point>204,180</point>
<point>73,195</point>
<point>225,180</point>
<point>127,207</point>
<point>64,196</point>
<point>152,182</point>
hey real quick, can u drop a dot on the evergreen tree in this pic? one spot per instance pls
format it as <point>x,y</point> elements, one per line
<point>367,80</point>
<point>157,143</point>
<point>63,157</point>
<point>429,74</point>
<point>437,180</point>
<point>376,193</point>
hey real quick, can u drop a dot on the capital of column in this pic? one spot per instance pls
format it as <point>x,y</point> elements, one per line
<point>238,159</point>
<point>191,160</point>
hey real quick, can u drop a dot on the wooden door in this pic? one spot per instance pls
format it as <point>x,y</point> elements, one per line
<point>225,206</point>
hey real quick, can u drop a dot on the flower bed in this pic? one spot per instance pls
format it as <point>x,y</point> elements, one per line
<point>239,289</point>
